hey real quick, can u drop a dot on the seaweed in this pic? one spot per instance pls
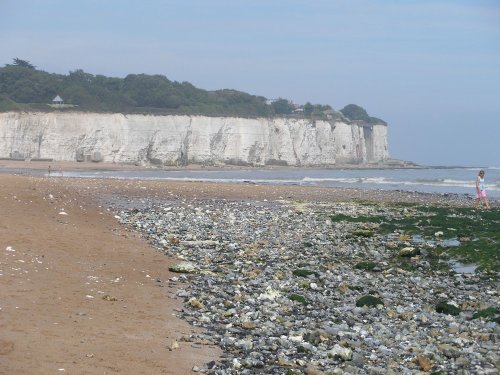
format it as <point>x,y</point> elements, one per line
<point>298,298</point>
<point>362,233</point>
<point>446,308</point>
<point>490,313</point>
<point>478,231</point>
<point>369,301</point>
<point>301,272</point>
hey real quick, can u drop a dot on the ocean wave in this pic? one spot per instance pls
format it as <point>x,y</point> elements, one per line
<point>464,183</point>
<point>450,183</point>
<point>350,180</point>
<point>384,180</point>
<point>231,180</point>
<point>470,184</point>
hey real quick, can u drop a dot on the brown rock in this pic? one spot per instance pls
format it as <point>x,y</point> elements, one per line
<point>313,370</point>
<point>424,363</point>
<point>248,325</point>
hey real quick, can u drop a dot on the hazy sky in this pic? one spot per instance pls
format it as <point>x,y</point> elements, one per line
<point>431,69</point>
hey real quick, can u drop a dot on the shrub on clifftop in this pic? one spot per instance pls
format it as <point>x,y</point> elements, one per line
<point>356,113</point>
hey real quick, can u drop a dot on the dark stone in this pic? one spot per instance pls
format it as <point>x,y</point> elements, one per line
<point>367,266</point>
<point>304,273</point>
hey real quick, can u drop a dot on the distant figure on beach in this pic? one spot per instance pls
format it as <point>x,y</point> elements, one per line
<point>481,190</point>
<point>60,171</point>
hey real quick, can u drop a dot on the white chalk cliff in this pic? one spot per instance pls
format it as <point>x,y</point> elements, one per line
<point>180,140</point>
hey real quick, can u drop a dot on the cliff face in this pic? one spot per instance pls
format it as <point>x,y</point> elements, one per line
<point>179,140</point>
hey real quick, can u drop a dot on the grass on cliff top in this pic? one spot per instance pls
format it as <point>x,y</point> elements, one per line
<point>477,230</point>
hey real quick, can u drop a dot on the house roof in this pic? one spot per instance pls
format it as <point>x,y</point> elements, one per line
<point>57,99</point>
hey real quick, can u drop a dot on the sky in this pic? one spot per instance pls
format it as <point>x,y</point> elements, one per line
<point>430,69</point>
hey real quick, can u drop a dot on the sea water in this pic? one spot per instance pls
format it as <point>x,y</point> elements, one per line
<point>456,180</point>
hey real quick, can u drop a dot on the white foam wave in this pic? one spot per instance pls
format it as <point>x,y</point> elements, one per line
<point>421,182</point>
<point>351,180</point>
<point>464,183</point>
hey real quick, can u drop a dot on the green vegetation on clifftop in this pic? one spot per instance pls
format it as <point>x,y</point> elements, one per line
<point>25,88</point>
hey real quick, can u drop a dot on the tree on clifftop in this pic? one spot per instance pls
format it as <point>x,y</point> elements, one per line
<point>23,63</point>
<point>282,107</point>
<point>308,109</point>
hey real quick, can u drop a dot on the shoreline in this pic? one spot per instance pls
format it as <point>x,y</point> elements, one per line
<point>105,166</point>
<point>35,169</point>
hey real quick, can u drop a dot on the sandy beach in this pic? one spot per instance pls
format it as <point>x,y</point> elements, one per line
<point>83,294</point>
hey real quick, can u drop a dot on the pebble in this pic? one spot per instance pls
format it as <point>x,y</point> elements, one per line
<point>274,284</point>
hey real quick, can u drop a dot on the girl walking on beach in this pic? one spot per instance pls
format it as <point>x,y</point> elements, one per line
<point>481,190</point>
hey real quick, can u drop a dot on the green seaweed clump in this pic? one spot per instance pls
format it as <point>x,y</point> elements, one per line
<point>298,298</point>
<point>369,301</point>
<point>446,308</point>
<point>490,313</point>
<point>362,233</point>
